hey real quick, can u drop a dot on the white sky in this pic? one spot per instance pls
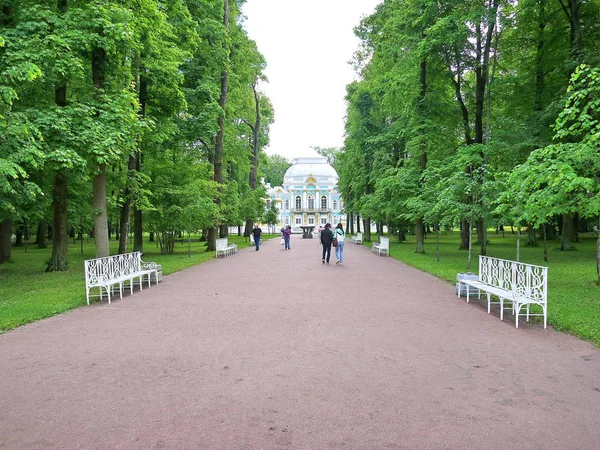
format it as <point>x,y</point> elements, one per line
<point>307,45</point>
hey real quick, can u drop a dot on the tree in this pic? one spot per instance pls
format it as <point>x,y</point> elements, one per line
<point>274,169</point>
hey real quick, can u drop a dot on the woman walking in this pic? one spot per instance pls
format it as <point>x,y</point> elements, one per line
<point>339,250</point>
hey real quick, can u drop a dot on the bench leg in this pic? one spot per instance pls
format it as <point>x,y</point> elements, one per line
<point>489,298</point>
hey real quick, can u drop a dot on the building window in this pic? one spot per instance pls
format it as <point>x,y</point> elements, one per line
<point>324,202</point>
<point>335,205</point>
<point>298,220</point>
<point>311,220</point>
<point>298,203</point>
<point>323,220</point>
<point>287,205</point>
<point>287,221</point>
<point>311,202</point>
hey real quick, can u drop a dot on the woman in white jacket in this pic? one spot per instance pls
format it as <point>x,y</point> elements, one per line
<point>339,250</point>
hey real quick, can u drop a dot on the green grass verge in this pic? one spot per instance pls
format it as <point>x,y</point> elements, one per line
<point>573,297</point>
<point>28,294</point>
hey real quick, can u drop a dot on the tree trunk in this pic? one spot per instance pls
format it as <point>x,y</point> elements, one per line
<point>248,227</point>
<point>5,240</point>
<point>223,231</point>
<point>482,236</point>
<point>127,205</point>
<point>218,163</point>
<point>566,234</point>
<point>420,236</point>
<point>41,234</point>
<point>19,234</point>
<point>531,239</point>
<point>518,243</point>
<point>545,243</point>
<point>99,178</point>
<point>100,213</point>
<point>464,235</point>
<point>358,224</point>
<point>367,228</point>
<point>60,236</point>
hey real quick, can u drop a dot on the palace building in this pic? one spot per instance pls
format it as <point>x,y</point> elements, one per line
<point>309,194</point>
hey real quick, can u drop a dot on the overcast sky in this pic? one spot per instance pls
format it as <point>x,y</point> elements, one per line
<point>307,45</point>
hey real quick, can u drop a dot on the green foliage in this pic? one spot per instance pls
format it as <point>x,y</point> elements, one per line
<point>273,169</point>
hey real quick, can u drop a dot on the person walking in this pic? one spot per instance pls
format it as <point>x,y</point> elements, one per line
<point>257,234</point>
<point>339,250</point>
<point>326,240</point>
<point>287,234</point>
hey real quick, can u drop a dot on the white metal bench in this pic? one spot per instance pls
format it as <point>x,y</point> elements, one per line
<point>382,248</point>
<point>225,249</point>
<point>519,283</point>
<point>356,239</point>
<point>108,272</point>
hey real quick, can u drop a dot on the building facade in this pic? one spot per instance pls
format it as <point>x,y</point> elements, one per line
<point>309,194</point>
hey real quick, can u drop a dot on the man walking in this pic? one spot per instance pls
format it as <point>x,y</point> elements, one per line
<point>326,240</point>
<point>257,233</point>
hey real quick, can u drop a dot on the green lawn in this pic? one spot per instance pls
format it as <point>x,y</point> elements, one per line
<point>573,297</point>
<point>27,293</point>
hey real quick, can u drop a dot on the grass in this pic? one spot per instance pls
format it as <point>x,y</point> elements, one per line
<point>573,297</point>
<point>28,294</point>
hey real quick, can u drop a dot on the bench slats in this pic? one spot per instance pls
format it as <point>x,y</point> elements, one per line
<point>108,272</point>
<point>520,283</point>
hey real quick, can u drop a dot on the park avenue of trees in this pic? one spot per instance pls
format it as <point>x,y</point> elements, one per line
<point>147,115</point>
<point>476,114</point>
<point>128,115</point>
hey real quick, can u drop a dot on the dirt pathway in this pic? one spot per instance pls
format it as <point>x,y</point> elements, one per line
<point>274,350</point>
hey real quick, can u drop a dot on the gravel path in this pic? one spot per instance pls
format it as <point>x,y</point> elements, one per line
<point>274,350</point>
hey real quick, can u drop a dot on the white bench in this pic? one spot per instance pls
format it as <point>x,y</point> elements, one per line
<point>108,272</point>
<point>519,283</point>
<point>225,249</point>
<point>356,239</point>
<point>382,248</point>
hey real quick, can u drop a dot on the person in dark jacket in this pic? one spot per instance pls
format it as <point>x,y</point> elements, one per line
<point>257,234</point>
<point>326,240</point>
<point>287,234</point>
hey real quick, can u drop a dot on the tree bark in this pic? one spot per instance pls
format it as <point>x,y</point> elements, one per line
<point>464,235</point>
<point>367,228</point>
<point>42,231</point>
<point>566,234</point>
<point>19,234</point>
<point>99,178</point>
<point>218,162</point>
<point>138,225</point>
<point>420,236</point>
<point>100,213</point>
<point>5,240</point>
<point>59,261</point>
<point>60,235</point>
<point>126,208</point>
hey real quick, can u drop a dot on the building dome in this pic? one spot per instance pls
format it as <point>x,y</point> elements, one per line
<point>317,167</point>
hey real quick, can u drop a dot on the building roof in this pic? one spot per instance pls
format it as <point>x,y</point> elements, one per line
<point>307,166</point>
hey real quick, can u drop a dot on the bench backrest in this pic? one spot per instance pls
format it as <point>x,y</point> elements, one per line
<point>112,267</point>
<point>524,279</point>
<point>384,242</point>
<point>221,244</point>
<point>359,236</point>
